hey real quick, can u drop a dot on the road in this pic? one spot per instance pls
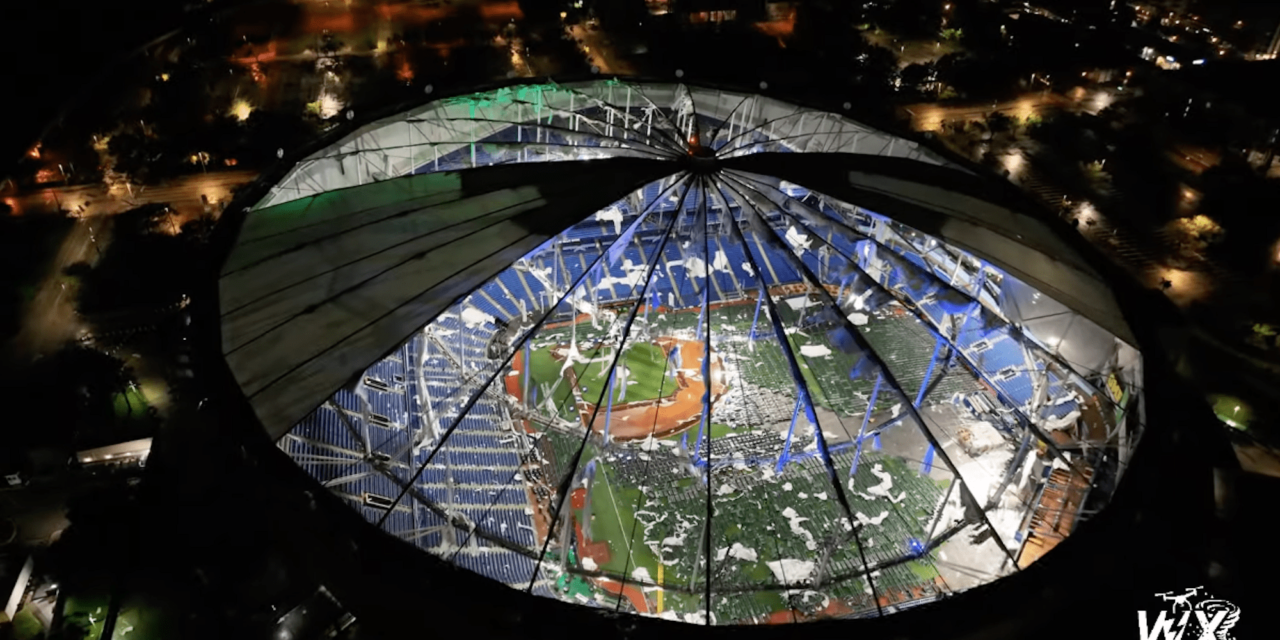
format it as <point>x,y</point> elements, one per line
<point>40,512</point>
<point>183,194</point>
<point>599,51</point>
<point>50,319</point>
<point>930,116</point>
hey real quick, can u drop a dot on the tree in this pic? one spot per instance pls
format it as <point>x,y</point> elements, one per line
<point>1143,175</point>
<point>74,390</point>
<point>1244,204</point>
<point>198,229</point>
<point>918,76</point>
<point>912,19</point>
<point>132,152</point>
<point>623,17</point>
<point>998,122</point>
<point>825,24</point>
<point>877,66</point>
<point>270,131</point>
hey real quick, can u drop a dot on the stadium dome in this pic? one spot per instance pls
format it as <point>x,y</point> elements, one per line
<point>681,352</point>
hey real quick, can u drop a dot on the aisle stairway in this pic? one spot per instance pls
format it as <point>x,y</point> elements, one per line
<point>1055,514</point>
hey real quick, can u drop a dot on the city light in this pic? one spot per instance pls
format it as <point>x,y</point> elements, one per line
<point>240,109</point>
<point>327,105</point>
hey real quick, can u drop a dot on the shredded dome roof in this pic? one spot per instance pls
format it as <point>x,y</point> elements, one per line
<point>680,352</point>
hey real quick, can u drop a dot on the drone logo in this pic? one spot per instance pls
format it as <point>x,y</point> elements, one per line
<point>1192,615</point>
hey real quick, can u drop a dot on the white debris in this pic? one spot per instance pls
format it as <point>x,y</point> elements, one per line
<point>980,437</point>
<point>872,521</point>
<point>699,617</point>
<point>589,564</point>
<point>795,522</point>
<point>802,495</point>
<point>746,266</point>
<point>1057,424</point>
<point>821,496</point>
<point>473,317</point>
<point>724,490</point>
<point>897,409</point>
<point>791,571</point>
<point>786,486</point>
<point>649,444</point>
<point>886,482</point>
<point>612,214</point>
<point>641,574</point>
<point>743,553</point>
<point>860,302</point>
<point>721,262</point>
<point>694,266</point>
<point>814,351</point>
<point>634,276</point>
<point>800,302</point>
<point>798,240</point>
<point>858,319</point>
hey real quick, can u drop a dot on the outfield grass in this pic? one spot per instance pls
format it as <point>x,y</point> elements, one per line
<point>923,570</point>
<point>615,520</point>
<point>26,626</point>
<point>134,408</point>
<point>1232,411</point>
<point>645,361</point>
<point>810,380</point>
<point>91,608</point>
<point>717,431</point>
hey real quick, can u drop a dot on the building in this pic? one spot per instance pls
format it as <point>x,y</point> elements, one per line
<point>130,453</point>
<point>541,332</point>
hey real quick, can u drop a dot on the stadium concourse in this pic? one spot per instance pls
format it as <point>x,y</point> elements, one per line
<point>681,352</point>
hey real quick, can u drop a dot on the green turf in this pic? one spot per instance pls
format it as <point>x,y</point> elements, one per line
<point>573,585</point>
<point>1232,411</point>
<point>770,600</point>
<point>130,405</point>
<point>148,616</point>
<point>90,608</point>
<point>717,431</point>
<point>923,570</point>
<point>26,626</point>
<point>646,363</point>
<point>759,572</point>
<point>681,602</point>
<point>614,511</point>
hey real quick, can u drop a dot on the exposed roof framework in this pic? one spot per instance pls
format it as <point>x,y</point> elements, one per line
<point>717,319</point>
